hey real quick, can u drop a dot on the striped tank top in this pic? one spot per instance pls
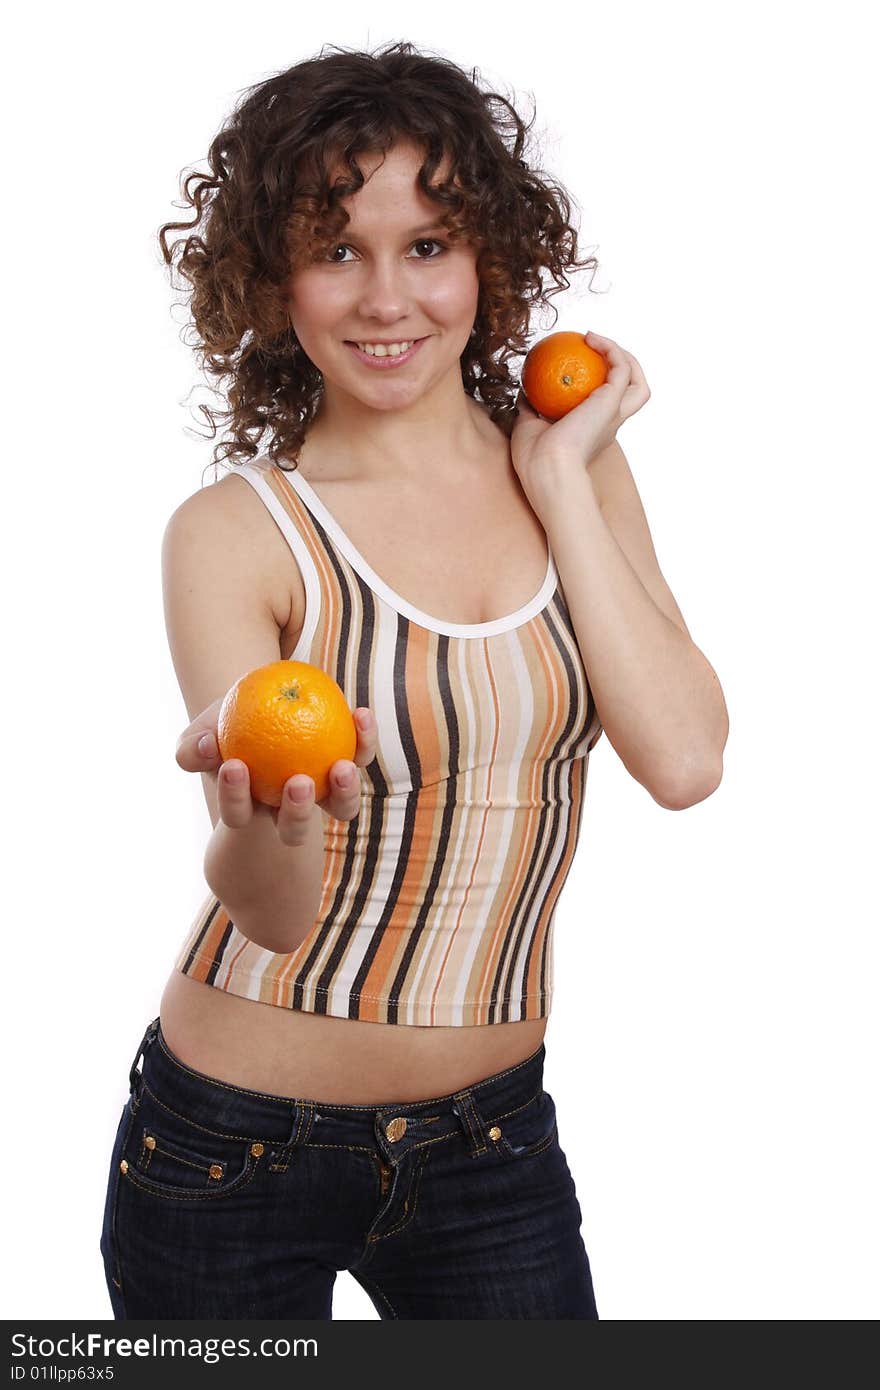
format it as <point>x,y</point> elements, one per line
<point>439,898</point>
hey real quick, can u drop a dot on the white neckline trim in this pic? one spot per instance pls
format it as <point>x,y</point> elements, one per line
<point>358,562</point>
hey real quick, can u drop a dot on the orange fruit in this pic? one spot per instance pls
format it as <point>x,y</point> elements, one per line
<point>286,718</point>
<point>559,372</point>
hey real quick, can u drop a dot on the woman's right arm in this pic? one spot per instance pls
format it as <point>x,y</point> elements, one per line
<point>223,617</point>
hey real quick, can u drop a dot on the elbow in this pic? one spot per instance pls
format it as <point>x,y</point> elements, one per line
<point>688,791</point>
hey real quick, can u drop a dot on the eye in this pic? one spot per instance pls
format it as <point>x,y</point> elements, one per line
<point>334,260</point>
<point>429,243</point>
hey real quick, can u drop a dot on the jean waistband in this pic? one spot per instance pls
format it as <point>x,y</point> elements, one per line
<point>394,1126</point>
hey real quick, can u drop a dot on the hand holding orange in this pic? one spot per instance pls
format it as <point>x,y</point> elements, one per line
<point>559,372</point>
<point>285,718</point>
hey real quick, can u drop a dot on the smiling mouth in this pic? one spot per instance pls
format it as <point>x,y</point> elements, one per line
<point>386,361</point>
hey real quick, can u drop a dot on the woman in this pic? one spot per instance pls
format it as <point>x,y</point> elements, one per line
<point>346,1070</point>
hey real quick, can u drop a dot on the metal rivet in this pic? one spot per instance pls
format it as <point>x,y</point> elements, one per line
<point>215,1170</point>
<point>256,1150</point>
<point>396,1128</point>
<point>149,1141</point>
<point>123,1167</point>
<point>495,1132</point>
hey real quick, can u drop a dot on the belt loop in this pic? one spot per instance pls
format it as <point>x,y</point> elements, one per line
<point>134,1076</point>
<point>472,1121</point>
<point>303,1117</point>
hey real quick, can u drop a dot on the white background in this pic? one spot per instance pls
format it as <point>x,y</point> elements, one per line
<point>712,1048</point>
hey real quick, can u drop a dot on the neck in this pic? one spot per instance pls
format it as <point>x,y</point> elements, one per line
<point>350,441</point>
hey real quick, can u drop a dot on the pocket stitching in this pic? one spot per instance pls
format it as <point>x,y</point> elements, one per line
<point>184,1194</point>
<point>200,1162</point>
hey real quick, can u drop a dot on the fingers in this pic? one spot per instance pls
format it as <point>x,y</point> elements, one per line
<point>344,798</point>
<point>295,813</point>
<point>235,805</point>
<point>343,801</point>
<point>626,375</point>
<point>619,374</point>
<point>367,736</point>
<point>198,751</point>
<point>619,356</point>
<point>193,754</point>
<point>638,391</point>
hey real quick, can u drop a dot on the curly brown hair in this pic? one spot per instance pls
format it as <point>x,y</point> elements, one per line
<point>268,204</point>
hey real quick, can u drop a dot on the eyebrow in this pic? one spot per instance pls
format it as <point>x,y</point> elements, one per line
<point>434,226</point>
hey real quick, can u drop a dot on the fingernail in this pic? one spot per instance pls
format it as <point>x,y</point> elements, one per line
<point>363,720</point>
<point>207,746</point>
<point>235,775</point>
<point>346,778</point>
<point>299,790</point>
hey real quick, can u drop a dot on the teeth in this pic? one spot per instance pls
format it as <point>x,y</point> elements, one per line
<point>385,350</point>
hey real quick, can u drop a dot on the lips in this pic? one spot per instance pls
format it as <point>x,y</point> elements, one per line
<point>386,363</point>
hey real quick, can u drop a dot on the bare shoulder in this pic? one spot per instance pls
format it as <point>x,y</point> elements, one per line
<point>230,518</point>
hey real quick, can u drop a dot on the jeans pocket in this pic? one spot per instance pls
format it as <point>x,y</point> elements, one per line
<point>526,1131</point>
<point>170,1156</point>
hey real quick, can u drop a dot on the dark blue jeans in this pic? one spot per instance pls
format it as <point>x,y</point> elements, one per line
<point>226,1203</point>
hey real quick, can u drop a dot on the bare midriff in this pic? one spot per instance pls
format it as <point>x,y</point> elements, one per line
<point>287,1052</point>
<point>294,1053</point>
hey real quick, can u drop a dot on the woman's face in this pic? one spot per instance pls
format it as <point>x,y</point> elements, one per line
<point>394,279</point>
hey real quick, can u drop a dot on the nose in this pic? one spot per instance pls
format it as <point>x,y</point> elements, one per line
<point>385,297</point>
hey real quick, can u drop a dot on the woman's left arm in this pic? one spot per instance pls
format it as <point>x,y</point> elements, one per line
<point>659,700</point>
